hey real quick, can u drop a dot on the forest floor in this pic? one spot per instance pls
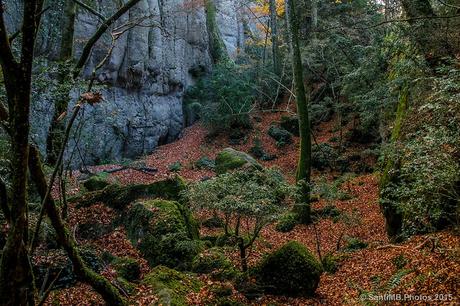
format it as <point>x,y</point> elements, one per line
<point>425,266</point>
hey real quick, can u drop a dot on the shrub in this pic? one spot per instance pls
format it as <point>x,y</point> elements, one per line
<point>258,151</point>
<point>291,270</point>
<point>286,223</point>
<point>330,263</point>
<point>242,197</point>
<point>354,244</point>
<point>205,163</point>
<point>224,98</point>
<point>175,167</point>
<point>323,156</point>
<point>281,136</point>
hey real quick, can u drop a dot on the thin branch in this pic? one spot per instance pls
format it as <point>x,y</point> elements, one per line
<point>91,10</point>
<point>101,30</point>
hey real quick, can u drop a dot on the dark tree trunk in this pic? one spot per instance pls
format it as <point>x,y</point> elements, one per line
<point>304,164</point>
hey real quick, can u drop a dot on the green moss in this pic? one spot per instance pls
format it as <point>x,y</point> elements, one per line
<point>119,197</point>
<point>127,268</point>
<point>127,286</point>
<point>164,232</point>
<point>287,222</point>
<point>354,244</point>
<point>230,159</point>
<point>291,270</point>
<point>209,261</point>
<point>171,286</point>
<point>96,182</point>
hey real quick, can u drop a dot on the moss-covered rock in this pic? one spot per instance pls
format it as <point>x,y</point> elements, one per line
<point>291,270</point>
<point>164,232</point>
<point>210,260</point>
<point>119,197</point>
<point>171,286</point>
<point>230,159</point>
<point>96,182</point>
<point>281,136</point>
<point>127,268</point>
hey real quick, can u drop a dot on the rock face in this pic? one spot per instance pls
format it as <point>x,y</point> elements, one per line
<point>142,81</point>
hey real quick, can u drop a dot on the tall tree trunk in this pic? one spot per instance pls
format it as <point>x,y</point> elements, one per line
<point>304,164</point>
<point>62,94</point>
<point>274,38</point>
<point>16,277</point>
<point>216,44</point>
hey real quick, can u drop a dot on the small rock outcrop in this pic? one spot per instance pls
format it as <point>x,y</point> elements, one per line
<point>291,270</point>
<point>231,159</point>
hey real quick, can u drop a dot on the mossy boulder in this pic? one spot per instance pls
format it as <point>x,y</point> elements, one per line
<point>171,286</point>
<point>281,136</point>
<point>164,232</point>
<point>127,268</point>
<point>96,182</point>
<point>291,270</point>
<point>231,159</point>
<point>212,261</point>
<point>118,197</point>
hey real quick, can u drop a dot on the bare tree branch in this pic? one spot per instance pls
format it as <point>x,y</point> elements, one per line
<point>89,45</point>
<point>91,10</point>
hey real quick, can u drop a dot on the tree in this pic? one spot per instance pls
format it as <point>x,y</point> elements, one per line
<point>216,44</point>
<point>247,201</point>
<point>61,94</point>
<point>304,164</point>
<point>274,38</point>
<point>16,277</point>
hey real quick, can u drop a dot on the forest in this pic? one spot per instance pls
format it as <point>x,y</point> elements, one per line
<point>229,152</point>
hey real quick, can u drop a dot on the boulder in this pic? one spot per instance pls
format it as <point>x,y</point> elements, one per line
<point>291,270</point>
<point>231,159</point>
<point>127,268</point>
<point>171,286</point>
<point>95,182</point>
<point>164,232</point>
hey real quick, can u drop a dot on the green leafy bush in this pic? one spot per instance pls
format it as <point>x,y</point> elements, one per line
<point>205,163</point>
<point>354,244</point>
<point>287,222</point>
<point>323,156</point>
<point>251,197</point>
<point>175,167</point>
<point>281,136</point>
